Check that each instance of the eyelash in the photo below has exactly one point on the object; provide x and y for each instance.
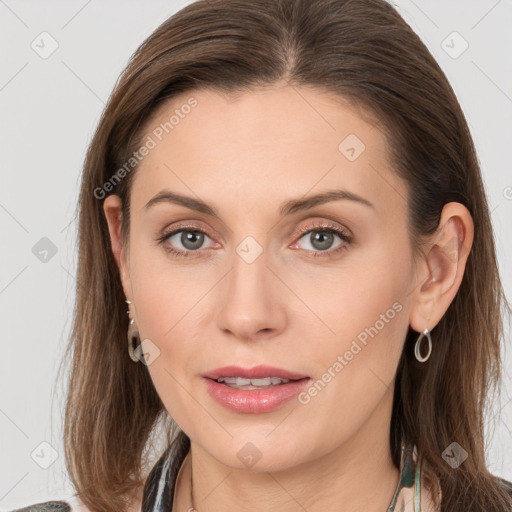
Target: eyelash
(324, 228)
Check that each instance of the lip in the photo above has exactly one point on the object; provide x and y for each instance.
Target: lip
(256, 372)
(254, 401)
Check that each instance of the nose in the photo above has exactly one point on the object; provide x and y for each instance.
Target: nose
(252, 301)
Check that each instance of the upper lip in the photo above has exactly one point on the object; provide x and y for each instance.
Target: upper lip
(256, 372)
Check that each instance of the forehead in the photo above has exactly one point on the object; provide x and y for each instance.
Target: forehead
(264, 146)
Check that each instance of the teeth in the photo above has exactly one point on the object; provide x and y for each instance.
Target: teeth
(240, 381)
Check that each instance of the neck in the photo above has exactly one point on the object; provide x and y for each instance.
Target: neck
(359, 474)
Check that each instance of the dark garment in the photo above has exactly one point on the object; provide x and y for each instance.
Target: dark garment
(48, 506)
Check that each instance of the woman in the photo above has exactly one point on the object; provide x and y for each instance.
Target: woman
(286, 196)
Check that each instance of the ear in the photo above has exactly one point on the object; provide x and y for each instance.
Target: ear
(441, 268)
(112, 208)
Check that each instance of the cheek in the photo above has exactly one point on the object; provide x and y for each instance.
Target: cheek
(364, 323)
(167, 292)
(365, 293)
(355, 368)
(170, 300)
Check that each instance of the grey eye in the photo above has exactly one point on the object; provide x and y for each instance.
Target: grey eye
(190, 240)
(320, 239)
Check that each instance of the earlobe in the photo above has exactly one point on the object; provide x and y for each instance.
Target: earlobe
(442, 269)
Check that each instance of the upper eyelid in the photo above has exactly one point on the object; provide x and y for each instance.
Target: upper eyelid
(317, 225)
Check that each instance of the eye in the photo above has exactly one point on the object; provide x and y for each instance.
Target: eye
(321, 237)
(190, 239)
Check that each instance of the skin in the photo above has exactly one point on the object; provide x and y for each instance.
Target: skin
(245, 155)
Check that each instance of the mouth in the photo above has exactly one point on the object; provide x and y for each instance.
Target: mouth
(254, 390)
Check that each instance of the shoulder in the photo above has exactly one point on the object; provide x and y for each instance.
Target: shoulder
(71, 505)
(47, 506)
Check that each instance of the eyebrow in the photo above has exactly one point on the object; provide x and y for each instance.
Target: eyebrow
(289, 207)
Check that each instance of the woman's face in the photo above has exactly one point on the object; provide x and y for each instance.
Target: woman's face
(270, 283)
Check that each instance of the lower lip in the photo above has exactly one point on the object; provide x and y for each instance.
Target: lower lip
(254, 400)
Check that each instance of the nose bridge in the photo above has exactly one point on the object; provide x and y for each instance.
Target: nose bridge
(250, 263)
(250, 302)
(249, 275)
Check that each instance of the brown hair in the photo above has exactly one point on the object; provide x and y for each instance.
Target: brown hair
(360, 50)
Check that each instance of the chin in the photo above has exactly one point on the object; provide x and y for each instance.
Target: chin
(258, 453)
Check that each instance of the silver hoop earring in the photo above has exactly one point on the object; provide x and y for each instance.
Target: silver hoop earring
(133, 336)
(417, 346)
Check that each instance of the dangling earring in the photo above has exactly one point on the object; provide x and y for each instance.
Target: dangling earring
(133, 336)
(417, 346)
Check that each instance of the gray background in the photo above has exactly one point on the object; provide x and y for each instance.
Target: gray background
(49, 109)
